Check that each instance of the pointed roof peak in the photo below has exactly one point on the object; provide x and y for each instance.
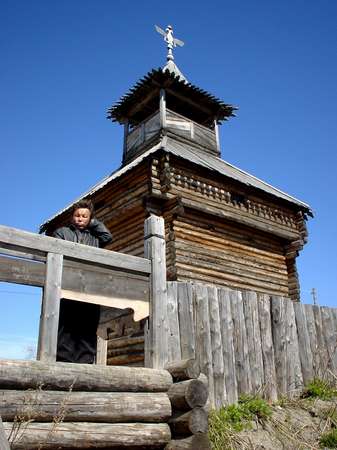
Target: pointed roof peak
(171, 67)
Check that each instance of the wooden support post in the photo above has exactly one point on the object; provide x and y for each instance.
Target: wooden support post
(216, 129)
(102, 351)
(162, 108)
(4, 445)
(125, 143)
(50, 308)
(156, 349)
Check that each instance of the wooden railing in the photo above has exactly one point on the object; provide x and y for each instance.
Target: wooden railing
(79, 272)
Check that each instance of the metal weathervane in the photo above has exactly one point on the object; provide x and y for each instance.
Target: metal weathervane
(170, 40)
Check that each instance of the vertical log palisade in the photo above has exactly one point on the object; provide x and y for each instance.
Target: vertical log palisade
(223, 226)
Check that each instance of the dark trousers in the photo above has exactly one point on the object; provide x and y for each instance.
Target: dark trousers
(77, 339)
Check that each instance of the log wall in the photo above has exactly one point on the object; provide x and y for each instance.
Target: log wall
(206, 250)
(70, 406)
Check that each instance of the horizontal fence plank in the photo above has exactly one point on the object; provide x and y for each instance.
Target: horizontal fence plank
(20, 271)
(24, 240)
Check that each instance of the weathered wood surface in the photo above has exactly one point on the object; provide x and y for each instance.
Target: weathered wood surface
(186, 319)
(4, 445)
(155, 250)
(174, 349)
(198, 441)
(183, 370)
(217, 355)
(109, 407)
(227, 335)
(26, 240)
(270, 382)
(306, 357)
(88, 435)
(125, 342)
(191, 422)
(262, 341)
(15, 270)
(203, 338)
(126, 358)
(279, 319)
(105, 283)
(47, 345)
(295, 378)
(251, 312)
(330, 336)
(243, 371)
(187, 394)
(15, 374)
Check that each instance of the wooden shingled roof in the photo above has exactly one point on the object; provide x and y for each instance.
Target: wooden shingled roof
(181, 96)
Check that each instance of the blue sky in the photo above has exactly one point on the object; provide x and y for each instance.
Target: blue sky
(63, 63)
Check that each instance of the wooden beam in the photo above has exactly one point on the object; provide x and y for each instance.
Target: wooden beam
(85, 435)
(191, 102)
(44, 406)
(155, 249)
(162, 108)
(15, 270)
(16, 374)
(24, 240)
(50, 309)
(4, 445)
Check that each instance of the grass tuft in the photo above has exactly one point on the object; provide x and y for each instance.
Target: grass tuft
(319, 388)
(228, 420)
(329, 440)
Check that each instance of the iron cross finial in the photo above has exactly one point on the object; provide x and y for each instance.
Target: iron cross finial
(170, 40)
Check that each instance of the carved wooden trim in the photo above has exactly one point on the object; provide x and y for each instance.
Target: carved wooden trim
(239, 202)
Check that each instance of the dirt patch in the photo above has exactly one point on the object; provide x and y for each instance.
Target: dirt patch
(295, 425)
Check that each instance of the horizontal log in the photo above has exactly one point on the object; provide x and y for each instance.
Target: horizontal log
(125, 342)
(235, 232)
(243, 217)
(188, 394)
(219, 238)
(193, 259)
(191, 422)
(109, 407)
(188, 275)
(231, 256)
(131, 350)
(196, 442)
(124, 359)
(183, 370)
(83, 435)
(25, 240)
(245, 282)
(16, 374)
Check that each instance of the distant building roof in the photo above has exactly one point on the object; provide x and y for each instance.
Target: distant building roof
(193, 155)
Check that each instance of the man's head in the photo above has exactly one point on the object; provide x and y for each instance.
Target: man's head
(82, 213)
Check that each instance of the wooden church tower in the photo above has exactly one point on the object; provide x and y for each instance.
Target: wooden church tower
(223, 226)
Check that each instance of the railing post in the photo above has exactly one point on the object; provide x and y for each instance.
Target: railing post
(50, 308)
(156, 348)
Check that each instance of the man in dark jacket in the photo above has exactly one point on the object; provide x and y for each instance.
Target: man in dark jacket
(77, 340)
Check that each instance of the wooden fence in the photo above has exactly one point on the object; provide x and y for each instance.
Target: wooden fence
(247, 342)
(79, 272)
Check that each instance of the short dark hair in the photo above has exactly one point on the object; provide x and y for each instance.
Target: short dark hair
(86, 203)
